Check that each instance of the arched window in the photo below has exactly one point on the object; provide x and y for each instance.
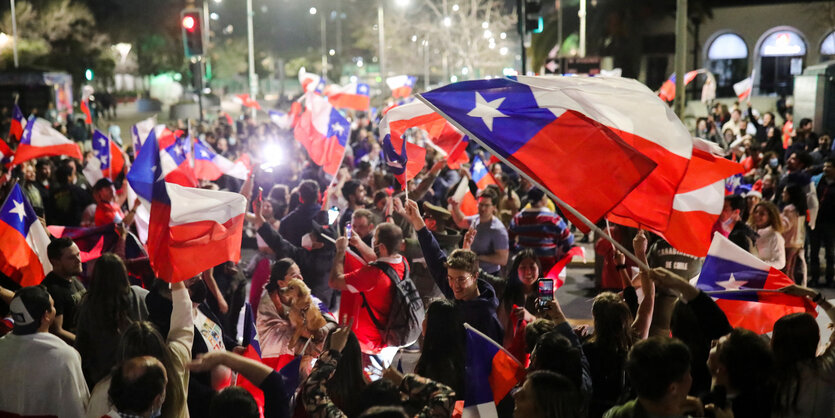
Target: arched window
(727, 59)
(781, 55)
(828, 47)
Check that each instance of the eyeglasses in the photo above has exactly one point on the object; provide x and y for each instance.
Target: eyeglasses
(460, 279)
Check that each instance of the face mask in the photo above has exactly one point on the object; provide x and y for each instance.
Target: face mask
(773, 162)
(307, 242)
(198, 291)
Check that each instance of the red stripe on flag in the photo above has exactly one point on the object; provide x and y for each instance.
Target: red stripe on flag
(29, 152)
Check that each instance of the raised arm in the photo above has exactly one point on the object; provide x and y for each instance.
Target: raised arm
(337, 277)
(433, 255)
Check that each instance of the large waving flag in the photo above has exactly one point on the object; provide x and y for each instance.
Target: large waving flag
(491, 373)
(107, 162)
(323, 132)
(668, 89)
(400, 85)
(209, 165)
(441, 134)
(41, 140)
(745, 286)
(18, 123)
(190, 229)
(23, 241)
(539, 124)
(698, 201)
(352, 96)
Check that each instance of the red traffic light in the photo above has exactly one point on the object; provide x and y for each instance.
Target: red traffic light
(189, 22)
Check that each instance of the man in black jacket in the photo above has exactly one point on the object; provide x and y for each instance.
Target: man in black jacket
(458, 277)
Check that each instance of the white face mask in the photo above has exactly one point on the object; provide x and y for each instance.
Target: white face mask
(307, 242)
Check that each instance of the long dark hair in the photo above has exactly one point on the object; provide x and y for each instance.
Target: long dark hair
(612, 323)
(108, 296)
(442, 354)
(142, 339)
(556, 396)
(348, 378)
(797, 197)
(514, 292)
(794, 341)
(277, 272)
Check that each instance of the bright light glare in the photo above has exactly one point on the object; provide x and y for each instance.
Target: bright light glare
(453, 79)
(503, 35)
(402, 3)
(465, 71)
(455, 7)
(414, 38)
(313, 10)
(331, 52)
(214, 16)
(189, 22)
(447, 21)
(272, 156)
(503, 50)
(485, 25)
(487, 34)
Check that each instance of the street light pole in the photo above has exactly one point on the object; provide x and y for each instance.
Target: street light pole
(382, 40)
(582, 15)
(324, 35)
(681, 57)
(14, 33)
(253, 80)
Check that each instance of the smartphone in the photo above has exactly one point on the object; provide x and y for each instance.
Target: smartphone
(333, 214)
(258, 201)
(545, 292)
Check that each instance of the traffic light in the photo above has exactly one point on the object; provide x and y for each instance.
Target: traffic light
(533, 21)
(88, 74)
(191, 22)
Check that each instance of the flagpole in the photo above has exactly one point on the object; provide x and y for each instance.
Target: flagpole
(642, 265)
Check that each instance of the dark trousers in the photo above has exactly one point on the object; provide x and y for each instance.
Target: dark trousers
(822, 235)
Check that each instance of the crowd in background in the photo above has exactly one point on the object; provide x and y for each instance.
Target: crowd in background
(108, 338)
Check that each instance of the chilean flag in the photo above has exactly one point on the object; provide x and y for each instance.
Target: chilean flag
(668, 89)
(18, 123)
(491, 372)
(743, 88)
(400, 85)
(140, 131)
(412, 157)
(24, 240)
(107, 161)
(41, 140)
(557, 272)
(247, 101)
(353, 96)
(91, 242)
(283, 120)
(745, 286)
(161, 134)
(178, 164)
(210, 166)
(311, 83)
(85, 108)
(323, 132)
(6, 153)
(698, 201)
(191, 230)
(441, 134)
(481, 176)
(541, 124)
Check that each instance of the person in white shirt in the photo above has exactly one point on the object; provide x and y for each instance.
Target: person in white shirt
(41, 373)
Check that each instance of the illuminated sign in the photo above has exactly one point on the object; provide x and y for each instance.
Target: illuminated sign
(783, 43)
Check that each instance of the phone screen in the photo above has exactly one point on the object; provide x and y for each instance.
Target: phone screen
(333, 214)
(546, 289)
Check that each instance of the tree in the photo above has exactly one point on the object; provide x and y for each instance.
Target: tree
(61, 35)
(467, 37)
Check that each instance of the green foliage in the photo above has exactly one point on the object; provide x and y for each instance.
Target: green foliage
(229, 58)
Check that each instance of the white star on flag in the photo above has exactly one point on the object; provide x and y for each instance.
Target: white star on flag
(732, 283)
(19, 209)
(103, 159)
(337, 128)
(102, 142)
(204, 154)
(487, 110)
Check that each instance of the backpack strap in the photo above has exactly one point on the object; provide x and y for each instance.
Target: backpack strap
(395, 279)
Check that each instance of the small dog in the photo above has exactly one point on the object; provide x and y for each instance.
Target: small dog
(303, 313)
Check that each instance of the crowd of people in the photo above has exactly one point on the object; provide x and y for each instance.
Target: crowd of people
(368, 286)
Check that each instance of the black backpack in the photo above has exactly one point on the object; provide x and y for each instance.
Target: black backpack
(405, 319)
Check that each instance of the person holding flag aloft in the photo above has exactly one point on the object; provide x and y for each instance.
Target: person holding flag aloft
(491, 242)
